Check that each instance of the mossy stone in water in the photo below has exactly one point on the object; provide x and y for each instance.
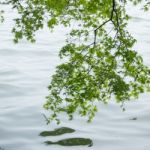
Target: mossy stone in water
(72, 142)
(135, 118)
(58, 131)
(1, 148)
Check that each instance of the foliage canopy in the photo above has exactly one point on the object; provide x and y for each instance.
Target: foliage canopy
(101, 62)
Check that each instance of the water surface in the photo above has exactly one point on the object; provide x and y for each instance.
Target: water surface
(25, 71)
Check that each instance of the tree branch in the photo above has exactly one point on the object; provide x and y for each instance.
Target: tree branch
(110, 19)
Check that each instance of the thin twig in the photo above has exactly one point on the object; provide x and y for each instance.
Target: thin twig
(110, 19)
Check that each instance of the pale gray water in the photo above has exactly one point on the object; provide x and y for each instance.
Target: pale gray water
(25, 71)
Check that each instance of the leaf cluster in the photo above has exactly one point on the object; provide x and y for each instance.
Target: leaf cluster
(101, 62)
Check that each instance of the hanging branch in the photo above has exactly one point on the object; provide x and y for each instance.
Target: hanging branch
(110, 19)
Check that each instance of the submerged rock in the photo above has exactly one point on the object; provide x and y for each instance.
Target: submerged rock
(135, 118)
(58, 131)
(1, 148)
(72, 142)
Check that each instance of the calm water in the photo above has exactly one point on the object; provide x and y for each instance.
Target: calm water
(25, 71)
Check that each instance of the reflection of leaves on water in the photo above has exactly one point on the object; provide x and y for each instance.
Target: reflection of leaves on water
(58, 131)
(72, 142)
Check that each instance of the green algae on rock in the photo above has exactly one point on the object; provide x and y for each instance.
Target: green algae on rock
(72, 142)
(57, 131)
